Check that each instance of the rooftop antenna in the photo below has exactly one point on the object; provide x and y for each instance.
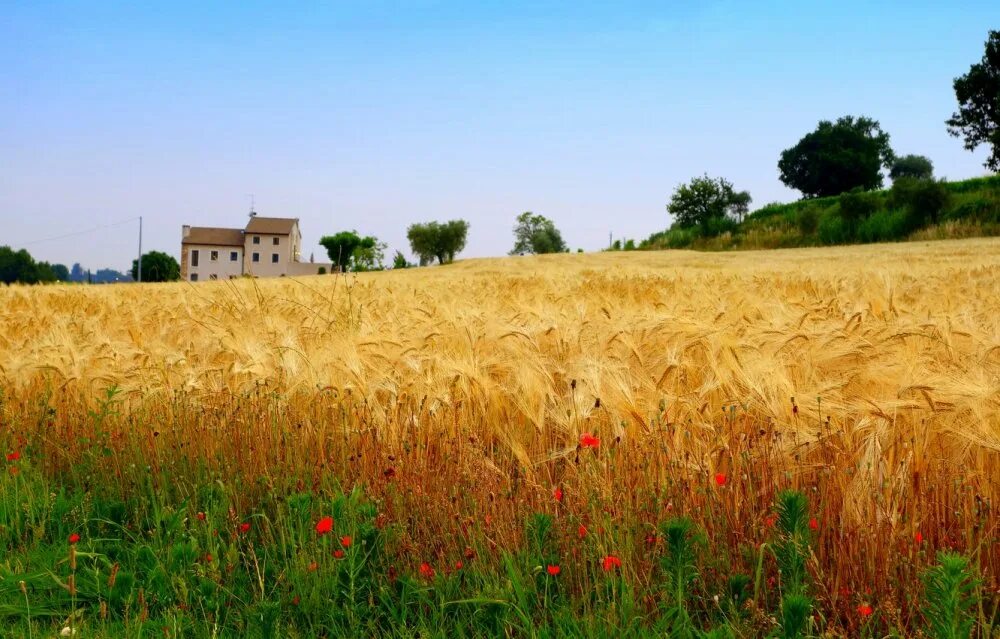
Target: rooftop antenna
(252, 212)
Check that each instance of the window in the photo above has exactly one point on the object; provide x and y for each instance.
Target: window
(256, 257)
(256, 239)
(274, 258)
(213, 276)
(233, 256)
(194, 276)
(194, 257)
(275, 242)
(214, 256)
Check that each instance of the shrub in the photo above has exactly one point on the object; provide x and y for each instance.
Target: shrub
(321, 270)
(807, 220)
(885, 226)
(833, 230)
(924, 200)
(857, 205)
(912, 166)
(951, 595)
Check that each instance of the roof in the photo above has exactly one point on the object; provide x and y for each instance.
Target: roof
(214, 236)
(271, 225)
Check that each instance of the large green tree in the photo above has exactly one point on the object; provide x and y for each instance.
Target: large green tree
(978, 94)
(912, 166)
(704, 202)
(436, 240)
(837, 157)
(157, 267)
(19, 266)
(536, 234)
(353, 252)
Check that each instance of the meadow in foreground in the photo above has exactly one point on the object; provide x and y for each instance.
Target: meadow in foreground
(794, 443)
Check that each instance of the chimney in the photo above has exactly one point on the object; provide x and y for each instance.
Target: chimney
(185, 231)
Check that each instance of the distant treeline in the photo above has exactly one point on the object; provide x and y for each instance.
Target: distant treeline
(21, 267)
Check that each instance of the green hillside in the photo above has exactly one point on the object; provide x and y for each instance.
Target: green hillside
(910, 210)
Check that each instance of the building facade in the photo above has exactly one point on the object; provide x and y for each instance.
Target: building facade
(267, 247)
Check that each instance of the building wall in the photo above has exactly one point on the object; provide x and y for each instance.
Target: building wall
(308, 268)
(266, 249)
(222, 268)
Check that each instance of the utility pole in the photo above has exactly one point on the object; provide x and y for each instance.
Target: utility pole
(138, 270)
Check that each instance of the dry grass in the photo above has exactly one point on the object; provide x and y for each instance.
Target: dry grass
(473, 382)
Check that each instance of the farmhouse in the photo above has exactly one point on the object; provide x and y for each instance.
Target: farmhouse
(267, 247)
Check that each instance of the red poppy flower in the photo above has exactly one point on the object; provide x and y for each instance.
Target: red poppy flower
(865, 610)
(338, 553)
(200, 516)
(345, 541)
(581, 531)
(389, 472)
(296, 600)
(208, 558)
(770, 519)
(720, 479)
(313, 566)
(610, 563)
(324, 525)
(74, 538)
(245, 527)
(588, 440)
(813, 524)
(553, 569)
(13, 456)
(426, 571)
(919, 537)
(458, 565)
(558, 494)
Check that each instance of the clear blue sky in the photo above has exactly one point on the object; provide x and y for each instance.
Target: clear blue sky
(374, 115)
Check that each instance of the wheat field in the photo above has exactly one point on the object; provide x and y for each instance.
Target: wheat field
(867, 377)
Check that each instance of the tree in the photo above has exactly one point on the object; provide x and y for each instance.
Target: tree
(837, 157)
(434, 240)
(923, 200)
(705, 202)
(157, 267)
(340, 247)
(978, 94)
(536, 234)
(399, 261)
(912, 166)
(857, 205)
(19, 266)
(368, 255)
(61, 272)
(739, 205)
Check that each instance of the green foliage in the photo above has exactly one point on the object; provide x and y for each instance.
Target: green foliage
(19, 266)
(884, 226)
(157, 267)
(923, 200)
(321, 270)
(978, 93)
(435, 240)
(807, 220)
(399, 260)
(912, 166)
(837, 157)
(705, 203)
(536, 234)
(792, 545)
(856, 205)
(350, 251)
(795, 615)
(951, 595)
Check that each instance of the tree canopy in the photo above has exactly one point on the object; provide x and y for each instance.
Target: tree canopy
(704, 202)
(353, 252)
(157, 267)
(536, 234)
(19, 266)
(837, 157)
(435, 240)
(912, 166)
(978, 94)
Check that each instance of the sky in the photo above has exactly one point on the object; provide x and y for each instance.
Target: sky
(375, 115)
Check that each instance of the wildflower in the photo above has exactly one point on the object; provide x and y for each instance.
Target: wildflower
(919, 537)
(313, 566)
(720, 479)
(553, 569)
(813, 524)
(558, 494)
(74, 538)
(338, 553)
(324, 525)
(296, 600)
(865, 610)
(610, 563)
(581, 531)
(389, 472)
(200, 516)
(588, 440)
(12, 457)
(458, 565)
(208, 558)
(770, 519)
(426, 571)
(345, 541)
(245, 527)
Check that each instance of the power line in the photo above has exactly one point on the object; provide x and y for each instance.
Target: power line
(67, 235)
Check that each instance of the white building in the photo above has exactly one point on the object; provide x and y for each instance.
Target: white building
(267, 247)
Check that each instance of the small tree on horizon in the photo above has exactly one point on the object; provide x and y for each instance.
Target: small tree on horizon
(157, 267)
(912, 166)
(536, 234)
(706, 202)
(434, 240)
